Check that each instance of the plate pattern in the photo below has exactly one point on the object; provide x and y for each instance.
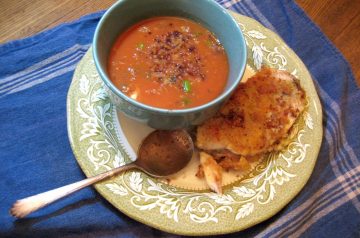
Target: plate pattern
(98, 147)
(146, 193)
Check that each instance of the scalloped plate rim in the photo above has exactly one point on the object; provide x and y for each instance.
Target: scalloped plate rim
(174, 230)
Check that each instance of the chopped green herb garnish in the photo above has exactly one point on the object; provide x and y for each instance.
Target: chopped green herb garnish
(186, 86)
(186, 101)
(140, 46)
(209, 43)
(197, 34)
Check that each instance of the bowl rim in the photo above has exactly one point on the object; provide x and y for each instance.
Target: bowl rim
(146, 107)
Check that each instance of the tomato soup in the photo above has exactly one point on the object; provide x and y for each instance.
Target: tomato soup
(169, 62)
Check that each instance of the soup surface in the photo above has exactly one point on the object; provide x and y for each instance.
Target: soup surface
(169, 62)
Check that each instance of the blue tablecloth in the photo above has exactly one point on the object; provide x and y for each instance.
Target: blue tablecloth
(35, 74)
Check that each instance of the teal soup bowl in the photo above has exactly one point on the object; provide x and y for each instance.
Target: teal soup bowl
(125, 13)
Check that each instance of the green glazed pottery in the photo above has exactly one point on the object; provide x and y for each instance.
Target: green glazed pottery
(102, 140)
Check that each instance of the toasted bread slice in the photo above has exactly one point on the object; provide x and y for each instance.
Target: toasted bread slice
(257, 117)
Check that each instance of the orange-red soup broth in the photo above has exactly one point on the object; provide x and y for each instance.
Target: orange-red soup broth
(169, 62)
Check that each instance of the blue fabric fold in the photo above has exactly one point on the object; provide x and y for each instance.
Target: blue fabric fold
(35, 75)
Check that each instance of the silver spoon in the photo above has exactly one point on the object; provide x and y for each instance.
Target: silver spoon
(161, 153)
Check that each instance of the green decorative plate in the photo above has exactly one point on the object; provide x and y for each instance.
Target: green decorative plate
(102, 139)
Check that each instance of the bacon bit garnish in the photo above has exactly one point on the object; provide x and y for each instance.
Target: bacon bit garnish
(175, 56)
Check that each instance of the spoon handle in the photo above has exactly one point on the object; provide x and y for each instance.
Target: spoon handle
(25, 206)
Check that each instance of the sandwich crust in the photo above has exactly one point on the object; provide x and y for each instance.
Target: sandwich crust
(257, 117)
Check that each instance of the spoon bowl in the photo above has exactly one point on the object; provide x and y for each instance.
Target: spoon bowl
(161, 153)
